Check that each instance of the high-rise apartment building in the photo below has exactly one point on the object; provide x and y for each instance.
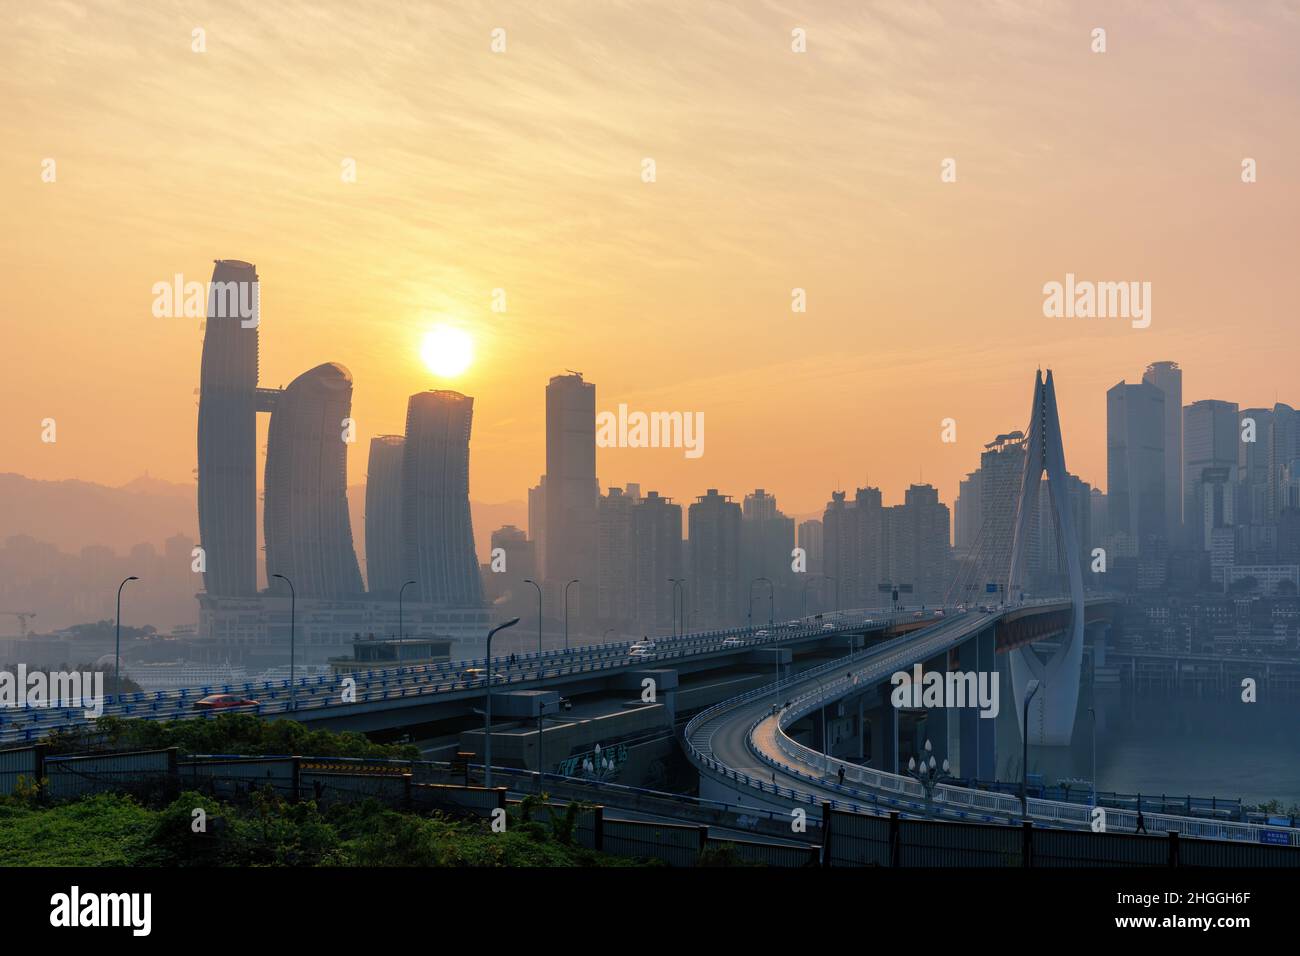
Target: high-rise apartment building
(438, 535)
(1135, 467)
(1168, 377)
(227, 433)
(306, 525)
(572, 491)
(384, 516)
(718, 596)
(1210, 444)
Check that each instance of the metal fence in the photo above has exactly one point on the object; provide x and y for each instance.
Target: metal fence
(457, 800)
(24, 763)
(233, 777)
(69, 778)
(856, 840)
(672, 843)
(328, 787)
(749, 853)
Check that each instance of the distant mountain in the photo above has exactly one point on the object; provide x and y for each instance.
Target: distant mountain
(72, 514)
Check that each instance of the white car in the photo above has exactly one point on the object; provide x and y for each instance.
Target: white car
(642, 649)
(828, 627)
(762, 633)
(732, 641)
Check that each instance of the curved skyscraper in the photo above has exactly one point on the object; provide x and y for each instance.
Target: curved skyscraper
(308, 534)
(384, 516)
(228, 442)
(439, 537)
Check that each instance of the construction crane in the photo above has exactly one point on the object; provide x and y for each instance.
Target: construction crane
(23, 617)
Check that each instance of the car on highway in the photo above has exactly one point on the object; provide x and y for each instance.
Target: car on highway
(478, 673)
(762, 633)
(732, 641)
(224, 701)
(938, 612)
(642, 649)
(828, 627)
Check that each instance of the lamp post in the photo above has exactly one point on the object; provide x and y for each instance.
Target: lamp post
(539, 613)
(566, 613)
(117, 641)
(487, 707)
(1092, 711)
(293, 601)
(811, 581)
(1024, 755)
(770, 606)
(399, 608)
(675, 582)
(928, 775)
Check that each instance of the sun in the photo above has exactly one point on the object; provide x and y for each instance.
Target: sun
(447, 351)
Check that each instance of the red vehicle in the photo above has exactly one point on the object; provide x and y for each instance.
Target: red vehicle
(223, 701)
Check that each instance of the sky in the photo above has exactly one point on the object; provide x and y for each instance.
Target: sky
(523, 170)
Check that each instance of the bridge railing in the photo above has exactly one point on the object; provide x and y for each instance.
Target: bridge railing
(316, 693)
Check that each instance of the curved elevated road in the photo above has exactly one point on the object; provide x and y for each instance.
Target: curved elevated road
(742, 744)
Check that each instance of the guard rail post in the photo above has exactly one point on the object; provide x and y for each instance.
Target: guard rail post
(826, 833)
(1173, 848)
(38, 769)
(1027, 843)
(895, 851)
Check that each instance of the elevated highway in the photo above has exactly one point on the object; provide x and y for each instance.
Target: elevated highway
(747, 756)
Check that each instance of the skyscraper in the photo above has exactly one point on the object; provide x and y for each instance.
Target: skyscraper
(1253, 468)
(918, 534)
(657, 536)
(811, 540)
(616, 560)
(1210, 438)
(308, 534)
(719, 595)
(571, 488)
(1283, 459)
(227, 433)
(766, 540)
(1168, 377)
(384, 516)
(438, 533)
(1135, 465)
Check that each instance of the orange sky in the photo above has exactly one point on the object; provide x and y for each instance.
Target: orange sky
(522, 170)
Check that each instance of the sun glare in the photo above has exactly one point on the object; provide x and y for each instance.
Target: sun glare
(447, 351)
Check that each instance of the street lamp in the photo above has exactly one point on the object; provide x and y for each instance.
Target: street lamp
(1024, 756)
(771, 602)
(293, 600)
(487, 708)
(566, 613)
(1092, 711)
(928, 775)
(539, 613)
(675, 582)
(399, 608)
(117, 640)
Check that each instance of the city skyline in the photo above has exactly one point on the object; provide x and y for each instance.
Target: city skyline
(650, 288)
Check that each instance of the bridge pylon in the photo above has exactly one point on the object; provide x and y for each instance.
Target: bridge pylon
(1052, 710)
